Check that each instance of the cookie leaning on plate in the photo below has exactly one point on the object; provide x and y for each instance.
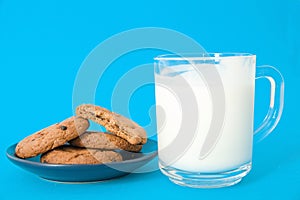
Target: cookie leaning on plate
(75, 155)
(114, 123)
(51, 137)
(100, 140)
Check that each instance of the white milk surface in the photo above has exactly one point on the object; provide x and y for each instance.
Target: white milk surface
(234, 146)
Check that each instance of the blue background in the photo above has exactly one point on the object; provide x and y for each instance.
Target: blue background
(43, 43)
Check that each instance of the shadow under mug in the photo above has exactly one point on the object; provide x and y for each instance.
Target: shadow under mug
(204, 110)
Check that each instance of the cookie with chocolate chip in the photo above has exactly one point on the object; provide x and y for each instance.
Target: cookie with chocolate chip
(51, 137)
(114, 123)
(75, 155)
(101, 140)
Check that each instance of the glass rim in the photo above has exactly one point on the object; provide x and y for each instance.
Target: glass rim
(202, 56)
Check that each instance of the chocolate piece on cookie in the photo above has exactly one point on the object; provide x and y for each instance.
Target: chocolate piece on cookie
(51, 137)
(114, 123)
(75, 155)
(100, 140)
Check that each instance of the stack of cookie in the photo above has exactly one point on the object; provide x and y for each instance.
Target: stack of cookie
(69, 142)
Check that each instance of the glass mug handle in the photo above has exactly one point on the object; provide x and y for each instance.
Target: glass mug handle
(276, 101)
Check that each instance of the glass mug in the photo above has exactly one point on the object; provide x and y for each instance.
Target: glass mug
(204, 111)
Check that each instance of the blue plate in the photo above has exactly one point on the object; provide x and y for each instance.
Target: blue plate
(86, 173)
